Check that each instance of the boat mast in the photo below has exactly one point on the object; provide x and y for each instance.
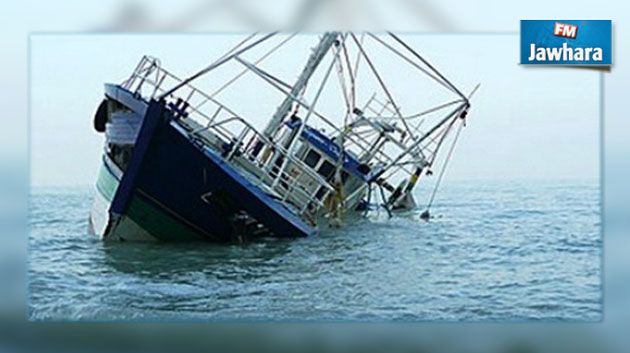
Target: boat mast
(314, 60)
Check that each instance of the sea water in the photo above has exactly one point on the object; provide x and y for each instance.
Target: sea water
(493, 251)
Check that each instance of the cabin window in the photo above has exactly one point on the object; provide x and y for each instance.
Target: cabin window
(326, 170)
(320, 192)
(312, 158)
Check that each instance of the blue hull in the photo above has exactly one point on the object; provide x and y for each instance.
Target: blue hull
(192, 184)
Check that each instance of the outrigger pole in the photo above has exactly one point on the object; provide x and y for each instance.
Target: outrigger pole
(314, 60)
(295, 92)
(461, 109)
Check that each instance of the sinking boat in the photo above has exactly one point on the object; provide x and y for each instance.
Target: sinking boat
(179, 164)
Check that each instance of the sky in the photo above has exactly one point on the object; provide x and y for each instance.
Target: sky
(525, 123)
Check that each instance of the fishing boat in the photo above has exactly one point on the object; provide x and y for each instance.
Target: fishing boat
(180, 164)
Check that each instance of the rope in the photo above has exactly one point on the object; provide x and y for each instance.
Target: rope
(338, 182)
(448, 158)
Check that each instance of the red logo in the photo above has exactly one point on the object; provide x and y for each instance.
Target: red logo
(565, 30)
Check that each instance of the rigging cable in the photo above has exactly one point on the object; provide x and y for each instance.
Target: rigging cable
(447, 85)
(427, 64)
(258, 61)
(222, 60)
(426, 215)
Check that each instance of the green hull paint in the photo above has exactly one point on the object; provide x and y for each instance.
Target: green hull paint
(153, 220)
(106, 184)
(158, 222)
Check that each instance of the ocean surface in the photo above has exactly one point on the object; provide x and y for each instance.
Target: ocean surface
(494, 251)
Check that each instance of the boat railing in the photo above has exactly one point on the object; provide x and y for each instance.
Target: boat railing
(298, 185)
